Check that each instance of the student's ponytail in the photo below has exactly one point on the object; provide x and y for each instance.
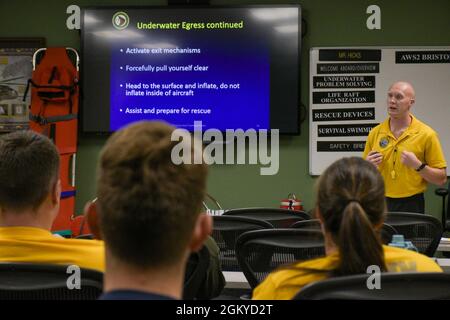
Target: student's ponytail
(359, 244)
(351, 204)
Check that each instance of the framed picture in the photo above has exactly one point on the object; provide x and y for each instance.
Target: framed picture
(16, 66)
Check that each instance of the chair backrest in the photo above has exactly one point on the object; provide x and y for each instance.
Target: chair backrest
(195, 274)
(446, 210)
(387, 231)
(27, 281)
(226, 230)
(445, 217)
(260, 252)
(393, 286)
(424, 231)
(279, 218)
(312, 224)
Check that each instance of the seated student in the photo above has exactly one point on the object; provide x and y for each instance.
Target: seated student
(351, 208)
(148, 212)
(213, 281)
(29, 202)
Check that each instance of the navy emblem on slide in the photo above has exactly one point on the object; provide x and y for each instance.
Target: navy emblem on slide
(384, 142)
(120, 20)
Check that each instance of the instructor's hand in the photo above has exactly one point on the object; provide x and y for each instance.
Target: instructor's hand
(409, 159)
(375, 158)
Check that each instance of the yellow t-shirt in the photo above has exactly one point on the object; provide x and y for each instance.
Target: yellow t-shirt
(35, 245)
(284, 284)
(401, 181)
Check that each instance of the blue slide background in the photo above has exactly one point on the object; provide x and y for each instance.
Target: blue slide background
(232, 59)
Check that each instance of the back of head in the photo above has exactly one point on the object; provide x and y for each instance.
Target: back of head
(351, 201)
(29, 168)
(147, 205)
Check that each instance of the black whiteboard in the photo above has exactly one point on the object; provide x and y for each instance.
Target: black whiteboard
(348, 88)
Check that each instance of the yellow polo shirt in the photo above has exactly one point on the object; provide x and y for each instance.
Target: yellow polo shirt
(401, 181)
(285, 283)
(35, 245)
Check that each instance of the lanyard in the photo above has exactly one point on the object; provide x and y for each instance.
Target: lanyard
(393, 173)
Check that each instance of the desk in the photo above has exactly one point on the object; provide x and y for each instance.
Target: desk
(444, 263)
(444, 245)
(235, 280)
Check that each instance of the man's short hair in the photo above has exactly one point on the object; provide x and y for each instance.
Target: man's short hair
(147, 205)
(29, 169)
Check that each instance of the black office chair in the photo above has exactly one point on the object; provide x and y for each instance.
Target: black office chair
(260, 252)
(279, 218)
(393, 286)
(445, 218)
(226, 230)
(424, 231)
(387, 231)
(313, 224)
(195, 274)
(27, 281)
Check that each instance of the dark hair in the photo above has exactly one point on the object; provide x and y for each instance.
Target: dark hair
(29, 169)
(147, 204)
(351, 201)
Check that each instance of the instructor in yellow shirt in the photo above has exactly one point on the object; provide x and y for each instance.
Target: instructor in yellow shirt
(406, 151)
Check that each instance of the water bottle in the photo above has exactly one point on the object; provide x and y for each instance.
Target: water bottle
(398, 241)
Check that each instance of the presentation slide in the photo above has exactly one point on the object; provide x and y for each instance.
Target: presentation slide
(202, 81)
(221, 66)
